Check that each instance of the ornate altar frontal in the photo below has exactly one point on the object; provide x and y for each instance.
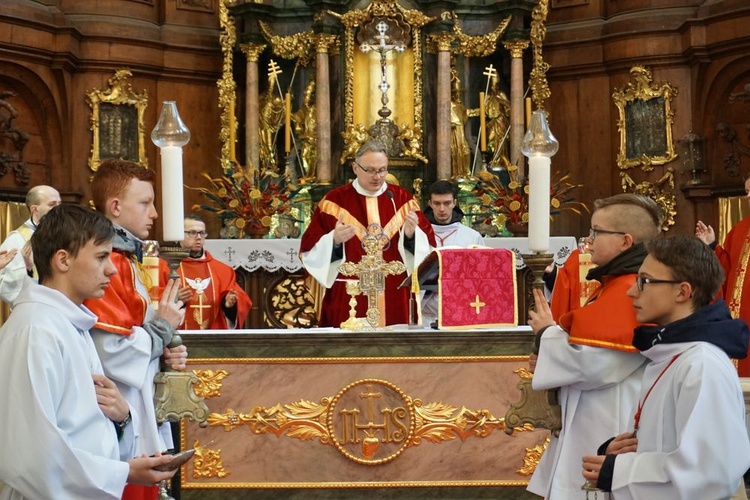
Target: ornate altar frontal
(367, 415)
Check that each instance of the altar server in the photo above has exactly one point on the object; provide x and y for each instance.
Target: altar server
(686, 436)
(209, 288)
(344, 217)
(589, 355)
(130, 336)
(60, 415)
(445, 216)
(39, 200)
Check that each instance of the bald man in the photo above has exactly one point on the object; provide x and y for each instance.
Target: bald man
(39, 200)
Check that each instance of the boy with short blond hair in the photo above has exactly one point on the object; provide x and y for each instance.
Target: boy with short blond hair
(588, 357)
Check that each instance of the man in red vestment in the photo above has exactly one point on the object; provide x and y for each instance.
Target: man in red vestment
(214, 299)
(344, 217)
(130, 337)
(734, 256)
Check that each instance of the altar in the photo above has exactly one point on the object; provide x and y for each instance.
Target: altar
(268, 267)
(321, 413)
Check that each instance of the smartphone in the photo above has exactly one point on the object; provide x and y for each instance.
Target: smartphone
(177, 460)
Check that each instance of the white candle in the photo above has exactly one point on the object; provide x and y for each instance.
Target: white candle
(539, 185)
(172, 203)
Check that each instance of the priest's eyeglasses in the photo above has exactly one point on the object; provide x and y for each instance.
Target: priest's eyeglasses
(642, 280)
(593, 233)
(369, 171)
(195, 234)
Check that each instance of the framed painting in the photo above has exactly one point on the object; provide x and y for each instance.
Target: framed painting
(645, 122)
(117, 122)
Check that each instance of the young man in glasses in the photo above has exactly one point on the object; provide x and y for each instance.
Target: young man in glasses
(209, 287)
(686, 435)
(589, 356)
(341, 221)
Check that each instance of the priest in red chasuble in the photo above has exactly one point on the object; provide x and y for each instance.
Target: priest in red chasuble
(344, 217)
(734, 255)
(212, 296)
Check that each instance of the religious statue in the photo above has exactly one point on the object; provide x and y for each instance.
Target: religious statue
(410, 136)
(460, 153)
(497, 108)
(305, 128)
(271, 113)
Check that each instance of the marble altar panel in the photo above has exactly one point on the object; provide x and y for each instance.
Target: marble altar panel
(278, 379)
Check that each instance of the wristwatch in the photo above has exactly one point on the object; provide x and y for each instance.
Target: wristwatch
(120, 426)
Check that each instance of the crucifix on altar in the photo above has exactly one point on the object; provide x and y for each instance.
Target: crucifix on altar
(371, 271)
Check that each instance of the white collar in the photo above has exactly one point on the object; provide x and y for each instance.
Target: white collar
(365, 192)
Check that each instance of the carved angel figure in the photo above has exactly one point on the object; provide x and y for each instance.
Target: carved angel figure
(353, 139)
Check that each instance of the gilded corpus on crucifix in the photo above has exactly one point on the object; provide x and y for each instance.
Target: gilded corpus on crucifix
(372, 270)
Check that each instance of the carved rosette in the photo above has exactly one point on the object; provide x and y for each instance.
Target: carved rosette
(370, 421)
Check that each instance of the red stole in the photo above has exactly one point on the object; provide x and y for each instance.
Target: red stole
(608, 318)
(361, 211)
(122, 307)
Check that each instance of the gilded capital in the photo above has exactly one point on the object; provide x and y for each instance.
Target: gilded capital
(440, 42)
(516, 47)
(325, 43)
(252, 50)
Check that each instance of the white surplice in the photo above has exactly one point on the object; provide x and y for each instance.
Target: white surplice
(598, 387)
(55, 442)
(12, 276)
(692, 439)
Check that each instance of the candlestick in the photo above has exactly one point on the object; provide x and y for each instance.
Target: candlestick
(527, 110)
(482, 124)
(287, 122)
(539, 145)
(170, 134)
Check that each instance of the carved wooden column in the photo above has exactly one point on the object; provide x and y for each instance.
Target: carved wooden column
(516, 48)
(252, 104)
(443, 42)
(323, 107)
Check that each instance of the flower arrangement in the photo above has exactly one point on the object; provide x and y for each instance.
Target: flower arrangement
(248, 200)
(498, 199)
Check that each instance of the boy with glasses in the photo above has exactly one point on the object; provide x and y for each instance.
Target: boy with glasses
(588, 356)
(686, 436)
(209, 287)
(341, 221)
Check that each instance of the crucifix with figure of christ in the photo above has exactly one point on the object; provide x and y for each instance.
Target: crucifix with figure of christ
(372, 270)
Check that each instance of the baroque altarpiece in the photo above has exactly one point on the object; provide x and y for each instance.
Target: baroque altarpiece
(406, 73)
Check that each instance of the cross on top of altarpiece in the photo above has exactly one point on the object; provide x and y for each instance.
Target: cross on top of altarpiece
(372, 270)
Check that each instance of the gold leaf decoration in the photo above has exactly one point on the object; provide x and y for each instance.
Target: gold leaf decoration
(207, 463)
(209, 383)
(532, 457)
